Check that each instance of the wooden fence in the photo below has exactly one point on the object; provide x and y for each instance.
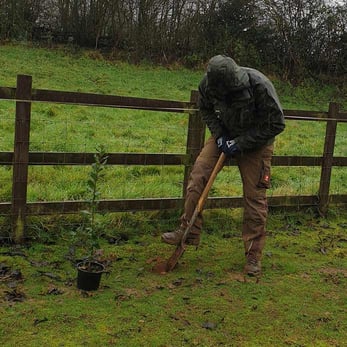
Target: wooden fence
(21, 158)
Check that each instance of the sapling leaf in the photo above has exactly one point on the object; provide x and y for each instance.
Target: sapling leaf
(90, 228)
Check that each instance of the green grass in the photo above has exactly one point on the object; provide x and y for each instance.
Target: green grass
(299, 301)
(65, 128)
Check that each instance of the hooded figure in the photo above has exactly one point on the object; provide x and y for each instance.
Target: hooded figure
(223, 74)
(241, 103)
(243, 113)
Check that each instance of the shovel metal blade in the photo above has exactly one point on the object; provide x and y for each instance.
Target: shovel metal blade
(176, 255)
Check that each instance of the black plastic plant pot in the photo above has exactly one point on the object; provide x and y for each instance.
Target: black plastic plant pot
(89, 275)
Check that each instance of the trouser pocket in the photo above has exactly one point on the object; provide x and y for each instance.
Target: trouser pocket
(265, 176)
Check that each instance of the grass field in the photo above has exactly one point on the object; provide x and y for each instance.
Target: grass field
(78, 129)
(299, 301)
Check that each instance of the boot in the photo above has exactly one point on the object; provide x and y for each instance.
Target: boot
(175, 237)
(253, 252)
(252, 267)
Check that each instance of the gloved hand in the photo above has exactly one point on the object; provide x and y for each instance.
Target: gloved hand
(229, 147)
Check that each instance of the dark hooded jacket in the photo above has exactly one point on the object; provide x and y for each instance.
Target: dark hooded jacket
(240, 103)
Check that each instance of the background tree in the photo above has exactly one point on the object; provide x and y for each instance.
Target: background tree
(295, 38)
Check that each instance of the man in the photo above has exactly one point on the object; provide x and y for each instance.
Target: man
(243, 113)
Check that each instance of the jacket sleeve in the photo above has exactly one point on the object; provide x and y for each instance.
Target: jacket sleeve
(208, 113)
(269, 119)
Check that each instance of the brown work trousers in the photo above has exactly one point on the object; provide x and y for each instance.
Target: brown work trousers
(254, 168)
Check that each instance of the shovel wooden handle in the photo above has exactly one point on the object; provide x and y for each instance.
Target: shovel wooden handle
(171, 263)
(204, 195)
(214, 173)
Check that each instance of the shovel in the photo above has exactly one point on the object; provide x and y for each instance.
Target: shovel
(170, 264)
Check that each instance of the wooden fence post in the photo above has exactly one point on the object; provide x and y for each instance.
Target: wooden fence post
(21, 157)
(195, 139)
(327, 161)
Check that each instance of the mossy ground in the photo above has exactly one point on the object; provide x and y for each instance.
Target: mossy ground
(206, 301)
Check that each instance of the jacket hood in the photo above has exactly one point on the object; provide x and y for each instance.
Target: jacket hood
(224, 74)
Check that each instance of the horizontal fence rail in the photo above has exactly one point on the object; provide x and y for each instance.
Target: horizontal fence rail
(156, 204)
(59, 158)
(90, 99)
(21, 158)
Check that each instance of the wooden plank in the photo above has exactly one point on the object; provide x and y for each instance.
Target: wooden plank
(313, 115)
(77, 158)
(91, 99)
(342, 115)
(56, 158)
(21, 157)
(6, 158)
(128, 205)
(122, 205)
(302, 113)
(339, 161)
(328, 156)
(338, 199)
(7, 93)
